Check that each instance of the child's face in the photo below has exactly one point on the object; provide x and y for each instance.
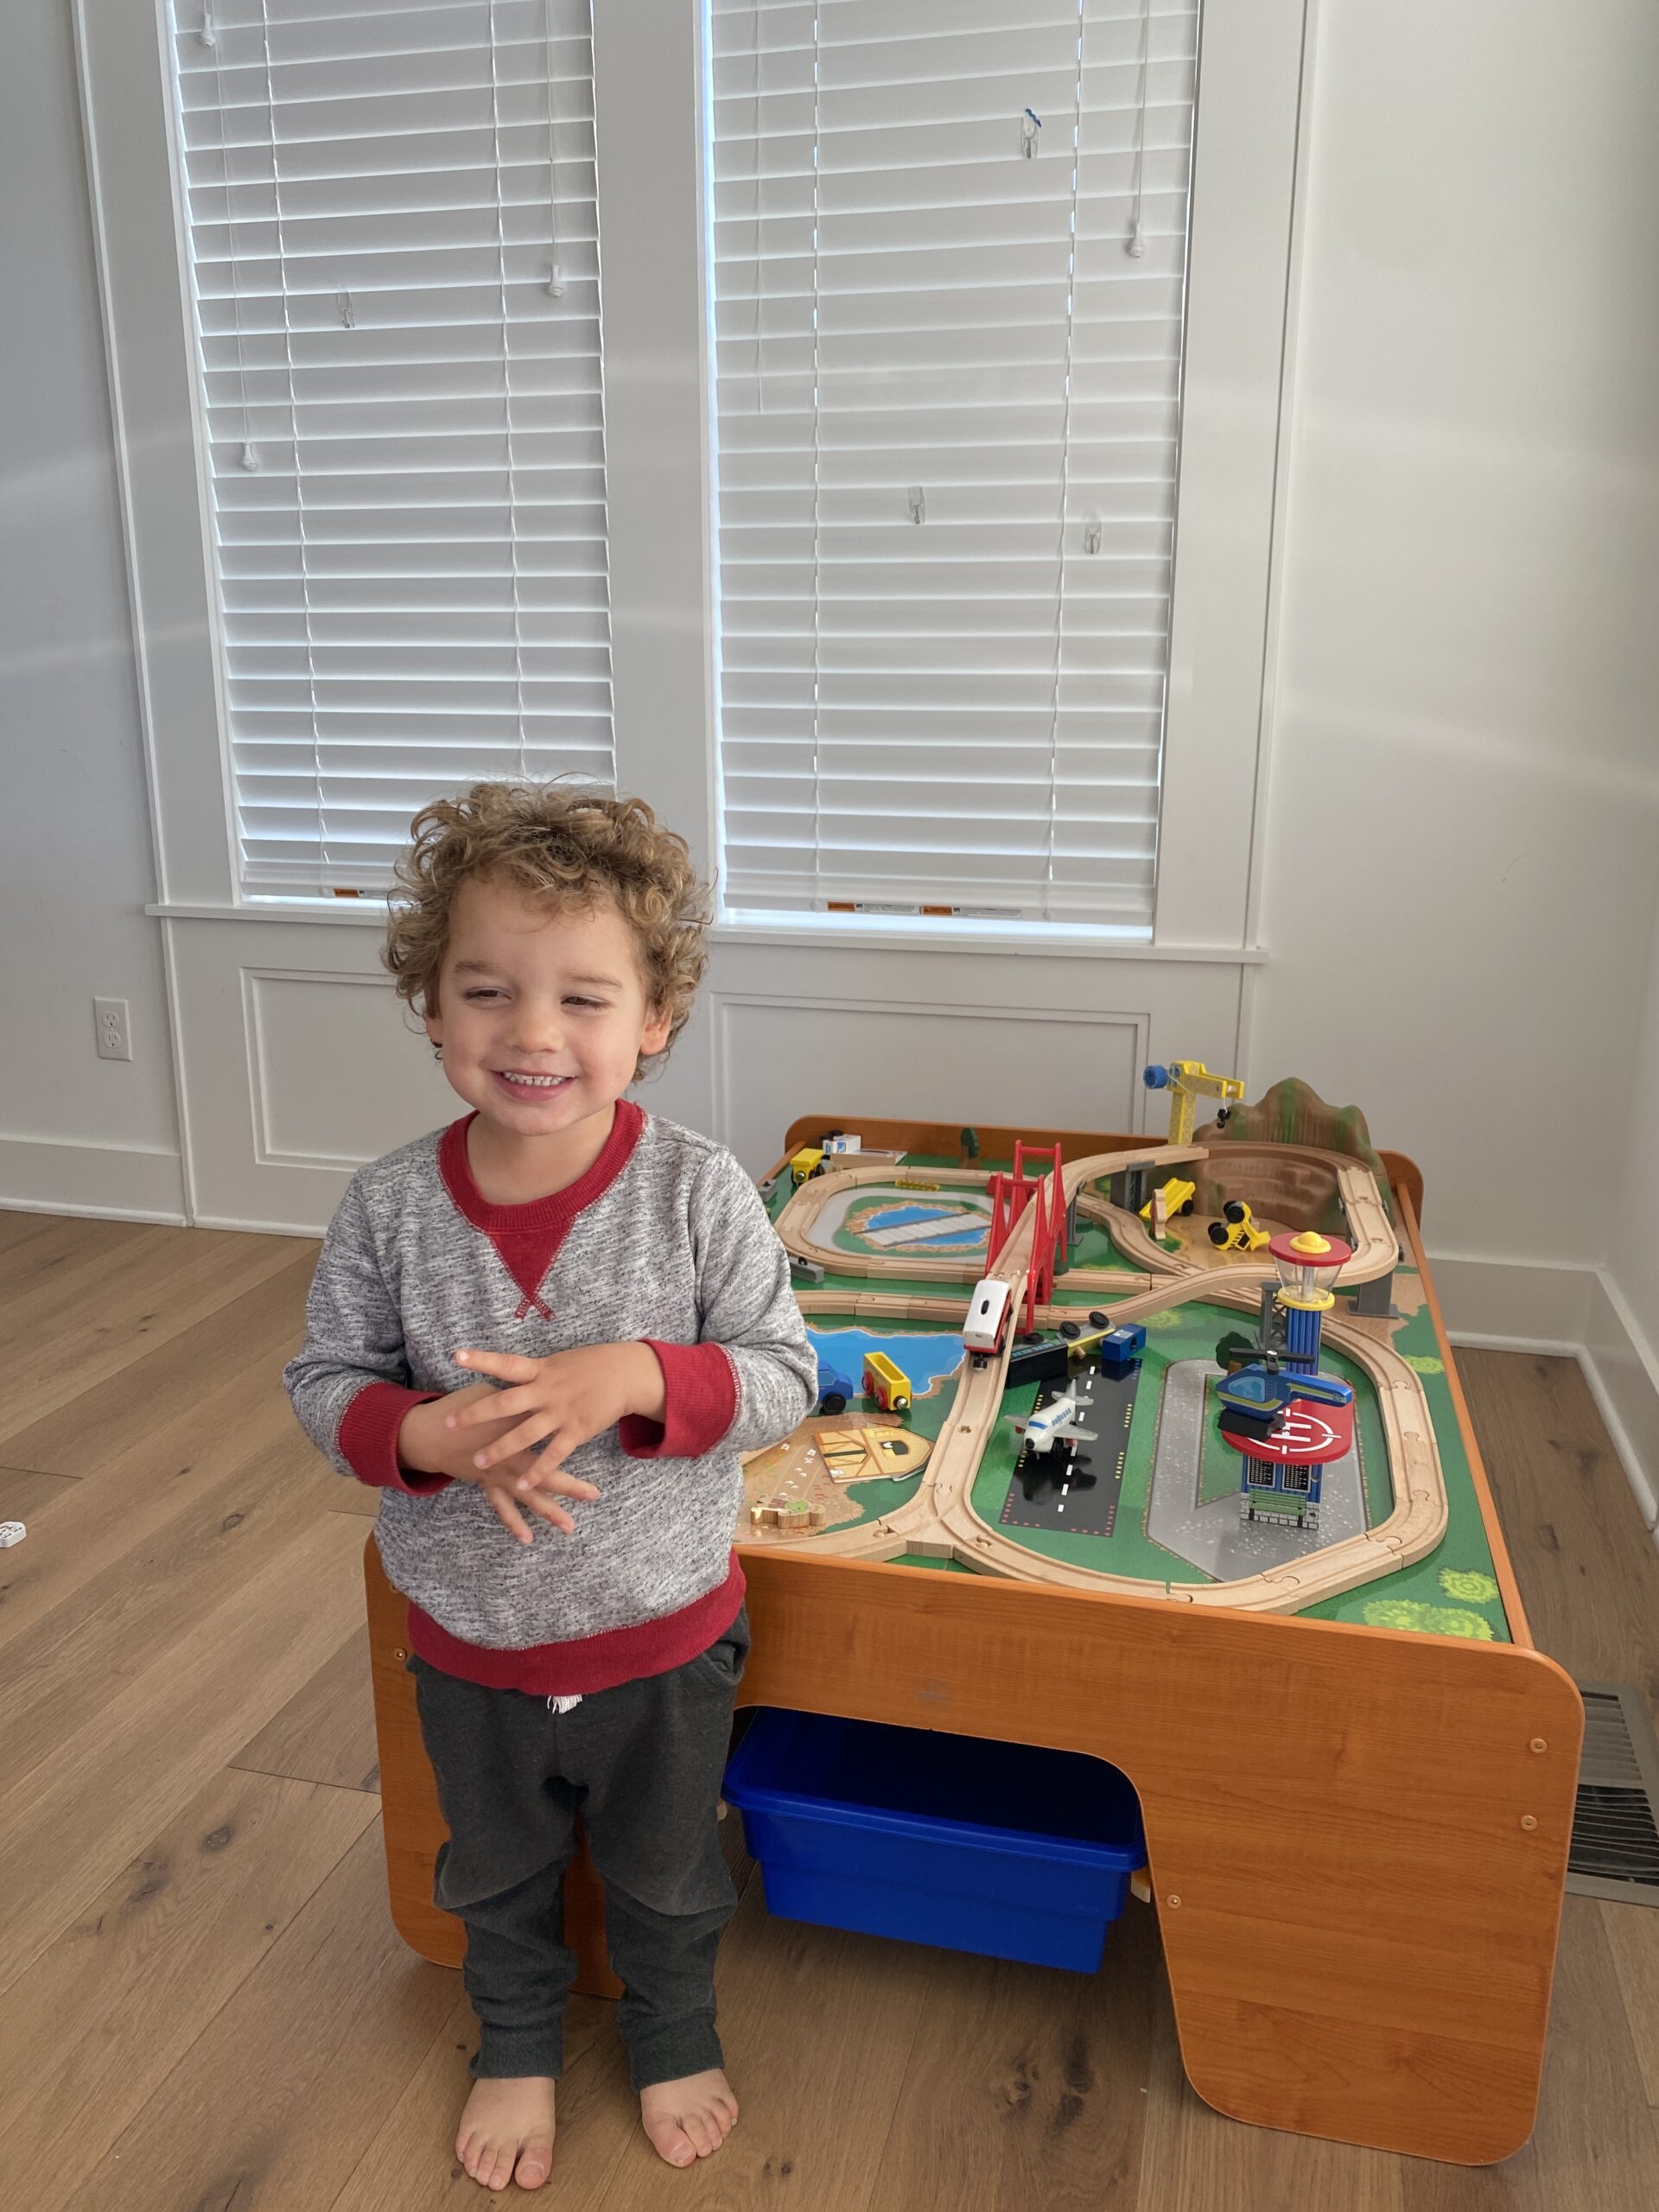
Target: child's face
(541, 1015)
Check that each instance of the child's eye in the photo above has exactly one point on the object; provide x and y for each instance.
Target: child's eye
(593, 1005)
(484, 991)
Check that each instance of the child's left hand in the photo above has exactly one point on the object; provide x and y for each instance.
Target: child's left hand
(564, 1400)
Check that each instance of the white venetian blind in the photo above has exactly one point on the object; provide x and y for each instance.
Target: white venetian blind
(949, 245)
(392, 247)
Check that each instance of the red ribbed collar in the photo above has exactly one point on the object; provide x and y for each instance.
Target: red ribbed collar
(559, 1209)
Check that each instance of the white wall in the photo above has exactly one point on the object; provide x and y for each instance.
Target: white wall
(1633, 1253)
(1461, 752)
(1461, 864)
(1622, 1330)
(74, 820)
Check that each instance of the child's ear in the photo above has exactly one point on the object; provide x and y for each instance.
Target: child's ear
(434, 1019)
(659, 1024)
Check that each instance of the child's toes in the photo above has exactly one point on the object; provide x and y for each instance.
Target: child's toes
(689, 2118)
(491, 2164)
(671, 2140)
(535, 2162)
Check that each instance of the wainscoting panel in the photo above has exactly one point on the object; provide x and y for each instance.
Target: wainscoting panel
(777, 1057)
(300, 1061)
(338, 1072)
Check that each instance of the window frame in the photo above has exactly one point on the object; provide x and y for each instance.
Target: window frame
(650, 134)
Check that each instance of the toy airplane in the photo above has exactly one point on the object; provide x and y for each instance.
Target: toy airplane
(1057, 1421)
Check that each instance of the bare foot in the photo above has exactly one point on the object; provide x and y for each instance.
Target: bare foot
(689, 2119)
(506, 2132)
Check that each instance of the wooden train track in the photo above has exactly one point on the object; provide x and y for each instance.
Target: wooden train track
(940, 1521)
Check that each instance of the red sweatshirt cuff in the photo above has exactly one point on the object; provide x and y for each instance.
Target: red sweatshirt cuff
(368, 1439)
(700, 1404)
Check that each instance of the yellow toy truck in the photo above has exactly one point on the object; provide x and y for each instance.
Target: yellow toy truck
(1178, 1198)
(1237, 1230)
(806, 1163)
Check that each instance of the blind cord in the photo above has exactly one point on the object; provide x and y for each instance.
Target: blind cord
(555, 274)
(1065, 473)
(326, 871)
(506, 394)
(249, 457)
(817, 574)
(1137, 243)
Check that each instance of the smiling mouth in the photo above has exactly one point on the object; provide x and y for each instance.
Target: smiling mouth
(541, 1083)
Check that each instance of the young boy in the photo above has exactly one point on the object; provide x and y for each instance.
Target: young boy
(562, 1529)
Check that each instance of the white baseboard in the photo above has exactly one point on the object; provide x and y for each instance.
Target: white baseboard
(261, 1228)
(1578, 1313)
(1513, 1304)
(1622, 1371)
(114, 1182)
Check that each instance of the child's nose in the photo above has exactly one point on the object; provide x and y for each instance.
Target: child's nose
(540, 1027)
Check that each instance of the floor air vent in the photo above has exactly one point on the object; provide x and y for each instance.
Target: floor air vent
(1616, 1820)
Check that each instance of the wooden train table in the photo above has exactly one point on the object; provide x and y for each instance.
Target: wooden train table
(1356, 1773)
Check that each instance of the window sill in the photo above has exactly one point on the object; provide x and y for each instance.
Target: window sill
(809, 934)
(812, 932)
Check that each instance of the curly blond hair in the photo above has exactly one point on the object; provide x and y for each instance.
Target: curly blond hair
(566, 843)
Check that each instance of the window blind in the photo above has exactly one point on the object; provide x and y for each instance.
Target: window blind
(390, 213)
(949, 258)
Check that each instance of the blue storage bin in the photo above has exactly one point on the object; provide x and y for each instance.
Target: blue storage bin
(1005, 1849)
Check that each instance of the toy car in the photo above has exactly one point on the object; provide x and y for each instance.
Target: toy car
(1237, 1230)
(806, 1163)
(834, 1391)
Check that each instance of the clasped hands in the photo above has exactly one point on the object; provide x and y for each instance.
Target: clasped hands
(486, 1435)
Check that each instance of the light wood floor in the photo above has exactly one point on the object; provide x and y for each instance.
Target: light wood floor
(203, 2005)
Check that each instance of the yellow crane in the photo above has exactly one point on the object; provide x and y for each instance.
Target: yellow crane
(1186, 1082)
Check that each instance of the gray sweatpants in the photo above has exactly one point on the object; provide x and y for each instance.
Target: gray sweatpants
(642, 1764)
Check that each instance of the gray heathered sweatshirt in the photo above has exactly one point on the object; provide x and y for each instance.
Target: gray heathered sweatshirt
(664, 1240)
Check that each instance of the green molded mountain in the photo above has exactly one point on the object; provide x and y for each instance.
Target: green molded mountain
(1293, 1112)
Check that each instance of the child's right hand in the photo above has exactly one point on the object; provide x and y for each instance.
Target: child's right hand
(428, 1445)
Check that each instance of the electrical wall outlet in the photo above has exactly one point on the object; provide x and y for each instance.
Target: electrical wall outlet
(114, 1036)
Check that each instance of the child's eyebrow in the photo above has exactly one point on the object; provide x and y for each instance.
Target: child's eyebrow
(483, 968)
